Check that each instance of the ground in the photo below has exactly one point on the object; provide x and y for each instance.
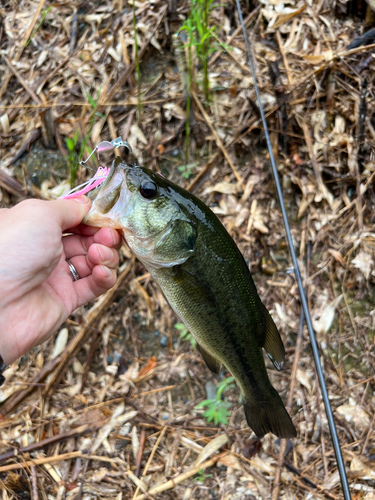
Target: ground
(107, 408)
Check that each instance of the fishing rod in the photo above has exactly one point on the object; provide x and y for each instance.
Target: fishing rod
(314, 345)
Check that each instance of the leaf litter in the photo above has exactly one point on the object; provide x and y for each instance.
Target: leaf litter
(106, 409)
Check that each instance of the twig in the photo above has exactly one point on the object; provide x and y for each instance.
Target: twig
(202, 173)
(217, 138)
(73, 36)
(34, 136)
(48, 442)
(324, 191)
(160, 437)
(140, 452)
(63, 361)
(11, 185)
(18, 396)
(24, 84)
(285, 59)
(90, 357)
(235, 33)
(34, 484)
(43, 460)
(182, 477)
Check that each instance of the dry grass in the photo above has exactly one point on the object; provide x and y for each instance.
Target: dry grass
(111, 413)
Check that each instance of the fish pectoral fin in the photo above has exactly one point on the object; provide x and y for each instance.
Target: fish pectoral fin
(273, 345)
(213, 364)
(177, 243)
(193, 288)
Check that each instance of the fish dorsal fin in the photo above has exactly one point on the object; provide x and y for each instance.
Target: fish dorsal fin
(273, 345)
(213, 364)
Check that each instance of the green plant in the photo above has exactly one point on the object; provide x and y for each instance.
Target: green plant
(201, 476)
(187, 170)
(185, 335)
(201, 35)
(217, 409)
(44, 15)
(71, 143)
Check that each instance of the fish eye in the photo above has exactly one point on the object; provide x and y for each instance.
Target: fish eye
(147, 189)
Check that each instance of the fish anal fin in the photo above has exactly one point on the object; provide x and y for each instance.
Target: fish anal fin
(273, 345)
(213, 364)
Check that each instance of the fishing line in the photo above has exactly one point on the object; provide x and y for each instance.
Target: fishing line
(314, 346)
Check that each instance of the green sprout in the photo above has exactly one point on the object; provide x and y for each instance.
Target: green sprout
(197, 33)
(71, 142)
(201, 476)
(187, 170)
(185, 335)
(44, 15)
(201, 35)
(217, 409)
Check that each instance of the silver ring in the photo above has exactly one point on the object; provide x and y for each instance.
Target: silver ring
(73, 271)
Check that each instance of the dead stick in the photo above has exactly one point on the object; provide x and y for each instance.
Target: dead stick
(47, 442)
(11, 185)
(285, 59)
(17, 397)
(202, 173)
(73, 36)
(217, 138)
(34, 483)
(43, 460)
(34, 136)
(90, 357)
(140, 453)
(160, 437)
(235, 33)
(23, 82)
(359, 204)
(182, 477)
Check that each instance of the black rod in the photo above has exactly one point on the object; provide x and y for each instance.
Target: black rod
(314, 346)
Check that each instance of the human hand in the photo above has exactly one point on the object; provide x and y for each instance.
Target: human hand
(37, 292)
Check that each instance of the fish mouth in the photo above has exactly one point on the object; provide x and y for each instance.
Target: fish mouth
(110, 199)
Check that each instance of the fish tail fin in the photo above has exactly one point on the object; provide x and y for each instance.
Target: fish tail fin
(275, 419)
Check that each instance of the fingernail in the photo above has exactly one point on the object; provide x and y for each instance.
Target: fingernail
(115, 237)
(107, 272)
(82, 199)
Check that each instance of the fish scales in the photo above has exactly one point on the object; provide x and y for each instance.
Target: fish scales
(205, 279)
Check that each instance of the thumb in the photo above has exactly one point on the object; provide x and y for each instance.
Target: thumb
(70, 213)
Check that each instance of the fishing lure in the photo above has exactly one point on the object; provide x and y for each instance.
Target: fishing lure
(101, 174)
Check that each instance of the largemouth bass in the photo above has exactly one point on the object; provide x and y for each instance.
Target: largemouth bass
(205, 279)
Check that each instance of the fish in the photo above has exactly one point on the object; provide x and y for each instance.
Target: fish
(204, 278)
